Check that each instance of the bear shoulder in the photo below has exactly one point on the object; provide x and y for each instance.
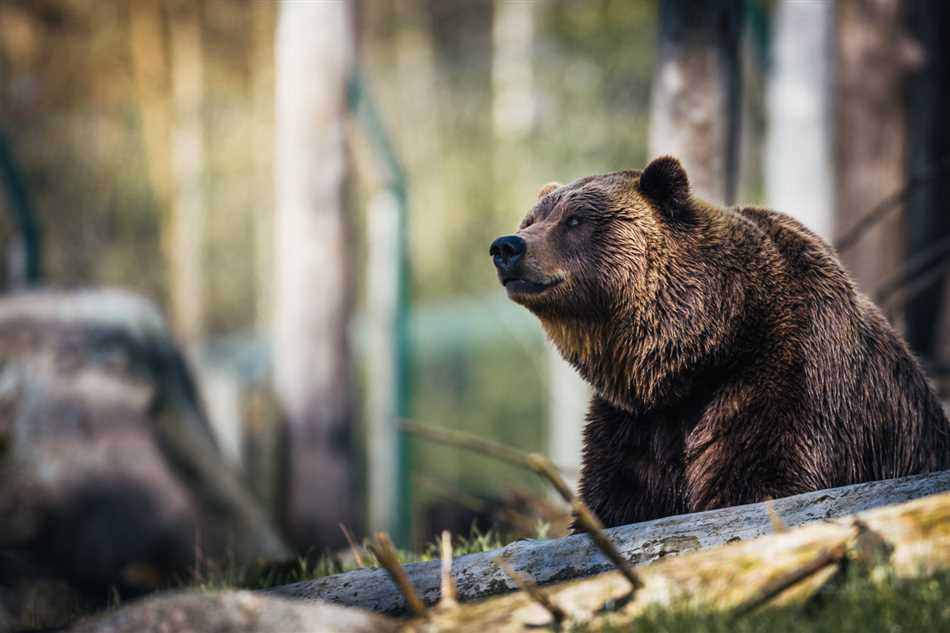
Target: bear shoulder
(805, 255)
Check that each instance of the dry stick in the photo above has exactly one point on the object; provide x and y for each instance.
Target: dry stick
(546, 469)
(595, 529)
(912, 269)
(892, 202)
(897, 306)
(385, 553)
(354, 549)
(780, 584)
(778, 525)
(528, 586)
(829, 557)
(449, 599)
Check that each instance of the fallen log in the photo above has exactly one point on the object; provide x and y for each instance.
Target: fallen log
(910, 540)
(576, 556)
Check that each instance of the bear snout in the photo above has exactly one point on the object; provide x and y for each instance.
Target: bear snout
(507, 251)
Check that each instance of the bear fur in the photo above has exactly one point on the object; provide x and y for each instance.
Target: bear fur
(731, 357)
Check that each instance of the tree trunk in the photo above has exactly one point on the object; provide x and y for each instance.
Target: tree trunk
(641, 543)
(151, 86)
(312, 286)
(927, 219)
(263, 17)
(696, 94)
(188, 162)
(798, 177)
(870, 140)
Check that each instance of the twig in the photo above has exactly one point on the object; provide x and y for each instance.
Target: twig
(544, 468)
(354, 549)
(863, 539)
(778, 525)
(467, 441)
(892, 202)
(449, 599)
(385, 553)
(921, 283)
(912, 269)
(595, 529)
(528, 586)
(777, 586)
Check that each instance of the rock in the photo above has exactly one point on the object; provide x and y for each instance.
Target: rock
(235, 612)
(109, 474)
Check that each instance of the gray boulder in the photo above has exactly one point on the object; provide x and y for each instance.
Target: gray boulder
(235, 612)
(109, 474)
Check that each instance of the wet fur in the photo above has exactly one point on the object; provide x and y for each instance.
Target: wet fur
(731, 357)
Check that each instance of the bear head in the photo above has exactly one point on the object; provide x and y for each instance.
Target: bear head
(605, 263)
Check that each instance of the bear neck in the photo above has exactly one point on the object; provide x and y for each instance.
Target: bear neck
(609, 361)
(635, 372)
(642, 365)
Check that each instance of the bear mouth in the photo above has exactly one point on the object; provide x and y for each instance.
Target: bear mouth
(521, 286)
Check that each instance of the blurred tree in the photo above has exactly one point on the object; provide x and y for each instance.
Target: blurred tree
(874, 54)
(187, 226)
(313, 278)
(23, 245)
(927, 220)
(263, 16)
(147, 41)
(696, 92)
(798, 175)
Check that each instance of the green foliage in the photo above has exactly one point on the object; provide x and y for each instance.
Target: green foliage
(475, 543)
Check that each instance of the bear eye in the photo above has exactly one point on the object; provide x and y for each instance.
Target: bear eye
(574, 220)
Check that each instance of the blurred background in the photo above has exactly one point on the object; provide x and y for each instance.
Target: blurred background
(307, 192)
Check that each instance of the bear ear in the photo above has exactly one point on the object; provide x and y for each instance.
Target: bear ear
(548, 188)
(665, 183)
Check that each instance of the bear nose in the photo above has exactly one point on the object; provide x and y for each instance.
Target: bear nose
(506, 251)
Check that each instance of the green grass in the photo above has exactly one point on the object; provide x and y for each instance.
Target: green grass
(854, 604)
(219, 577)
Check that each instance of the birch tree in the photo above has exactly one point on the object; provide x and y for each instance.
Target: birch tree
(798, 172)
(312, 285)
(694, 113)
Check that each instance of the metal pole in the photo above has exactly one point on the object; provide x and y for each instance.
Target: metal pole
(29, 269)
(399, 522)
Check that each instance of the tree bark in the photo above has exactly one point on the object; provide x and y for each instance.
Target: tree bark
(696, 94)
(576, 556)
(313, 273)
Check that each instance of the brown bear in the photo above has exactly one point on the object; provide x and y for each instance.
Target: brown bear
(731, 357)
